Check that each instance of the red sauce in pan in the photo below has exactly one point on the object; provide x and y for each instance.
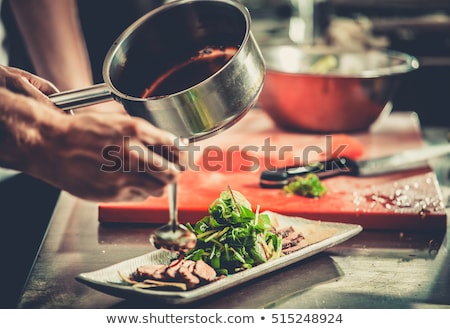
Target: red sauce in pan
(187, 74)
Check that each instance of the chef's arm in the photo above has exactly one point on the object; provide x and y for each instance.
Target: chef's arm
(54, 40)
(56, 45)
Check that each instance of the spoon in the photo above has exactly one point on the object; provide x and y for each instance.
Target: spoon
(173, 236)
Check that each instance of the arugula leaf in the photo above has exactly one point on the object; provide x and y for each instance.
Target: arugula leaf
(232, 237)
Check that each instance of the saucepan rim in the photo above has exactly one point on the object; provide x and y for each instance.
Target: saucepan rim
(127, 33)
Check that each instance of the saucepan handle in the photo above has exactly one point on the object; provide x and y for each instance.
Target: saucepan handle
(72, 99)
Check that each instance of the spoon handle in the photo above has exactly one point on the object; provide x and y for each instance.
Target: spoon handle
(173, 209)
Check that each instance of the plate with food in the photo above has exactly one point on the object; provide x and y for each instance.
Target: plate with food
(235, 244)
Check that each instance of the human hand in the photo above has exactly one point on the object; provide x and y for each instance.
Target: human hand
(26, 83)
(100, 156)
(109, 157)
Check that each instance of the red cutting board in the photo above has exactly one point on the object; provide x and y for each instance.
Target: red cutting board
(409, 200)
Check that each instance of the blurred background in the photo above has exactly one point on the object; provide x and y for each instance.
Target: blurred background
(418, 27)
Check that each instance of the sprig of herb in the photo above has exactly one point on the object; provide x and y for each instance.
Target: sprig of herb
(308, 186)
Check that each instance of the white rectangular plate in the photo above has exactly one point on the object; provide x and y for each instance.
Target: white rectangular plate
(325, 235)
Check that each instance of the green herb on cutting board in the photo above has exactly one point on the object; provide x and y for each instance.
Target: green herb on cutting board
(308, 186)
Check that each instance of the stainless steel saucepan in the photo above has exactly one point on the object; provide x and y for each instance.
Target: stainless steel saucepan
(164, 39)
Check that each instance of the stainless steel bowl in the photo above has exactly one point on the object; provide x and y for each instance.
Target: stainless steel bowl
(321, 90)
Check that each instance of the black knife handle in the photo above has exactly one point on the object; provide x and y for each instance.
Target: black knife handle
(323, 169)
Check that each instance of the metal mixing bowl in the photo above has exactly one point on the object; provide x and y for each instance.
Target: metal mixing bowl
(322, 90)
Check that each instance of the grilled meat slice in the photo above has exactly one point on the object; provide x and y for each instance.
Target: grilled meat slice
(192, 273)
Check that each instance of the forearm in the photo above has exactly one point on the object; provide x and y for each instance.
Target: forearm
(54, 41)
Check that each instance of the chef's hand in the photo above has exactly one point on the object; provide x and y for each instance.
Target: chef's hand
(111, 157)
(100, 156)
(26, 83)
(31, 85)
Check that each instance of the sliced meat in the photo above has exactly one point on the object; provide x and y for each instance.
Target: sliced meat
(286, 231)
(192, 265)
(147, 271)
(160, 274)
(204, 271)
(292, 236)
(172, 269)
(192, 273)
(292, 241)
(294, 245)
(185, 273)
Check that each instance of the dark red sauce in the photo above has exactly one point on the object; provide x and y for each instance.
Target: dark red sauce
(187, 74)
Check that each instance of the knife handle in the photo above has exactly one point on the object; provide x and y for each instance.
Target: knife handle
(323, 169)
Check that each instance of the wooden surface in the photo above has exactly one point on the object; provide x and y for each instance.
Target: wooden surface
(237, 156)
